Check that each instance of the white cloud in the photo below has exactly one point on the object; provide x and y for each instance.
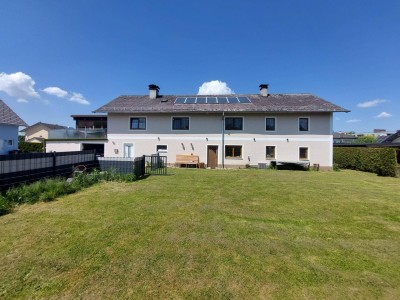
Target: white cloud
(353, 121)
(22, 101)
(215, 87)
(371, 103)
(383, 115)
(76, 97)
(55, 91)
(18, 85)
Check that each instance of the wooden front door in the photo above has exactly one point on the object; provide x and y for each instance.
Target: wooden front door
(212, 157)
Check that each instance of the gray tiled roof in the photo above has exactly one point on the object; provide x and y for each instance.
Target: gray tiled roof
(8, 116)
(271, 103)
(49, 126)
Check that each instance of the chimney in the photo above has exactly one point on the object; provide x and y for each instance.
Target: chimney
(264, 89)
(153, 91)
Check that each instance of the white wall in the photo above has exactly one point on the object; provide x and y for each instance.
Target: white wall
(63, 146)
(7, 133)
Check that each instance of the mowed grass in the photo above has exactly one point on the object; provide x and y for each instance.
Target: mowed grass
(210, 234)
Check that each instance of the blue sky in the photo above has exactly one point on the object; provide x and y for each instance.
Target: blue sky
(59, 58)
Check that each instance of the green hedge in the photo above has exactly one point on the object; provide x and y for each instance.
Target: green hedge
(25, 147)
(381, 161)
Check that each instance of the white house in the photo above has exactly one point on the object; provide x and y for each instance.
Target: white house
(9, 123)
(223, 130)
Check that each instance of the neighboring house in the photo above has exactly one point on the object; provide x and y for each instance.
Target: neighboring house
(38, 132)
(90, 134)
(344, 138)
(223, 130)
(9, 123)
(390, 139)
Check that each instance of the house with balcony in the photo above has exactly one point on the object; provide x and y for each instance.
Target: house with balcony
(90, 133)
(9, 124)
(38, 132)
(223, 130)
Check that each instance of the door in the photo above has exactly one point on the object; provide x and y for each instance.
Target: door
(212, 157)
(128, 150)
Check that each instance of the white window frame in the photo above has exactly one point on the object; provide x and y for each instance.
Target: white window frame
(266, 158)
(234, 130)
(139, 117)
(231, 157)
(298, 125)
(265, 124)
(132, 152)
(308, 153)
(184, 130)
(162, 150)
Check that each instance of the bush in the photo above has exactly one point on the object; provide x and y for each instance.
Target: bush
(381, 161)
(5, 206)
(25, 147)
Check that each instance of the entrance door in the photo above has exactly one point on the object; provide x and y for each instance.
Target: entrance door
(212, 157)
(128, 150)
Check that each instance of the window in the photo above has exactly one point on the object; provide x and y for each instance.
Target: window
(270, 152)
(180, 123)
(303, 153)
(233, 151)
(138, 123)
(10, 142)
(233, 123)
(161, 148)
(270, 124)
(128, 150)
(303, 124)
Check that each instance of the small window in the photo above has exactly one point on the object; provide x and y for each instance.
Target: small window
(162, 148)
(180, 123)
(233, 151)
(270, 124)
(303, 124)
(303, 153)
(270, 152)
(10, 142)
(233, 123)
(138, 123)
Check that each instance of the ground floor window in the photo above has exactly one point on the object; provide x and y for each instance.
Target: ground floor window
(233, 151)
(303, 153)
(10, 142)
(270, 152)
(161, 148)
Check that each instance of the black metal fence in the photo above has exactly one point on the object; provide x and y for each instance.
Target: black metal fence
(29, 167)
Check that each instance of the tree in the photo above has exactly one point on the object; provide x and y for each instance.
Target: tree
(366, 139)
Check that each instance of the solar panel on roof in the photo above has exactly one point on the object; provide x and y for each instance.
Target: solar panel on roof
(211, 100)
(233, 100)
(244, 100)
(222, 100)
(201, 100)
(180, 100)
(191, 100)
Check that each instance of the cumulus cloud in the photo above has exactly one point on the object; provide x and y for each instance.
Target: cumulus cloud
(215, 87)
(383, 115)
(55, 91)
(18, 85)
(353, 121)
(371, 103)
(76, 97)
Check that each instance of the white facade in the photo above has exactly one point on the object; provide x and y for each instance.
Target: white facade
(207, 130)
(8, 138)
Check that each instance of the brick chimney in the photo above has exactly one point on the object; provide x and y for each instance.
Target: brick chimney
(153, 91)
(264, 89)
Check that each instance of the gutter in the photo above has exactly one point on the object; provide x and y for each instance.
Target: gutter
(223, 140)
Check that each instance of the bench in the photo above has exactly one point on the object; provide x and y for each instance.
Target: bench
(182, 159)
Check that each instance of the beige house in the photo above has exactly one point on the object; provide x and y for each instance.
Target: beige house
(39, 132)
(223, 130)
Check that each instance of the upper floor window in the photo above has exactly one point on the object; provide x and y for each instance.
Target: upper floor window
(138, 123)
(233, 123)
(180, 123)
(270, 124)
(304, 124)
(10, 142)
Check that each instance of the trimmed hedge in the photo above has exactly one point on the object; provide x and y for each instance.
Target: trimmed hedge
(381, 161)
(25, 147)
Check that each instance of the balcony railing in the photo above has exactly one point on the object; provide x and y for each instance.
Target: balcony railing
(82, 133)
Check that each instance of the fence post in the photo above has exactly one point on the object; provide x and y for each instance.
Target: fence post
(54, 164)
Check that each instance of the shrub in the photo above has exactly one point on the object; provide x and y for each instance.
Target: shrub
(5, 206)
(381, 161)
(25, 147)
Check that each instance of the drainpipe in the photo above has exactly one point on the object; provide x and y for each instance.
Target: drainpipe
(223, 140)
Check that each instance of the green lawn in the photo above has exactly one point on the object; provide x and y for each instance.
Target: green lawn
(240, 234)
